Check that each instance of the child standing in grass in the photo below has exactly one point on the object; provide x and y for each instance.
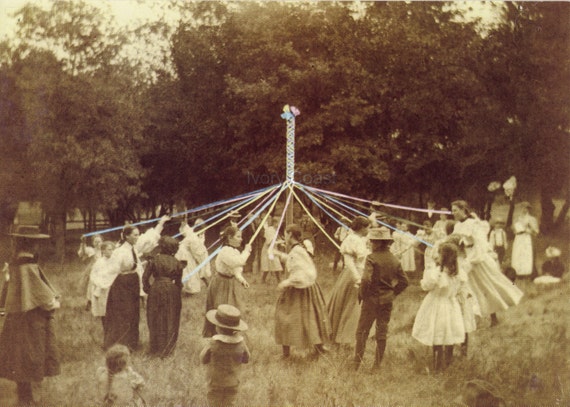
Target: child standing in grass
(439, 321)
(100, 280)
(225, 352)
(118, 383)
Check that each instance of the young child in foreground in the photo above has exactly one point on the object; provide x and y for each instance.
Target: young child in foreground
(118, 383)
(225, 352)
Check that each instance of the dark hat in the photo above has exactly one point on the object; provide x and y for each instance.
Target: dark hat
(234, 214)
(29, 232)
(168, 245)
(379, 233)
(226, 316)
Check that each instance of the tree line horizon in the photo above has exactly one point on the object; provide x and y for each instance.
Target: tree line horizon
(400, 101)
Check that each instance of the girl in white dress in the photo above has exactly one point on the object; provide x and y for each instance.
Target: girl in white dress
(439, 321)
(494, 292)
(101, 279)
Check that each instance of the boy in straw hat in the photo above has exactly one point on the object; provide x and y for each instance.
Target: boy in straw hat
(377, 292)
(225, 352)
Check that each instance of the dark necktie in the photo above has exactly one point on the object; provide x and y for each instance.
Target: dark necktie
(135, 261)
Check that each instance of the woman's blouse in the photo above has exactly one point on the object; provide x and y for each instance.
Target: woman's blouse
(230, 261)
(163, 266)
(354, 250)
(301, 269)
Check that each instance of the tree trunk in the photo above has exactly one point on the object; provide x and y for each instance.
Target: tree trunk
(547, 215)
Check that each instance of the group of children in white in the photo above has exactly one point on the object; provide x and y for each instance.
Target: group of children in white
(462, 274)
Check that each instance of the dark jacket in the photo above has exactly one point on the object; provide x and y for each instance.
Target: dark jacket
(383, 278)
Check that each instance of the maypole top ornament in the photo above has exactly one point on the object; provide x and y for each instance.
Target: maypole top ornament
(290, 112)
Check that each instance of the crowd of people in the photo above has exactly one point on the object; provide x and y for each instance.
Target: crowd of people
(461, 261)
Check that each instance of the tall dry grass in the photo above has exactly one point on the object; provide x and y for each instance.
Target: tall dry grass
(531, 339)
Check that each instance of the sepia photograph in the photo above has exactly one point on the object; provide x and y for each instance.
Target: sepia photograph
(284, 203)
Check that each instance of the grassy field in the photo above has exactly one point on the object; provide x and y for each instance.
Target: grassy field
(531, 339)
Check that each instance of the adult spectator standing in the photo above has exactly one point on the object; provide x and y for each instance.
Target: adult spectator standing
(123, 303)
(525, 228)
(28, 351)
(377, 292)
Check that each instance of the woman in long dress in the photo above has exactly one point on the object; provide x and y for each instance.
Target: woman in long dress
(164, 297)
(301, 318)
(494, 292)
(223, 288)
(123, 303)
(343, 308)
(525, 228)
(28, 350)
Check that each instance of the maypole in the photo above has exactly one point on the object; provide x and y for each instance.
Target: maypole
(289, 114)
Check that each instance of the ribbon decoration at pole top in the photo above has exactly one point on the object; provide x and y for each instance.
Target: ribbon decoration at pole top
(289, 114)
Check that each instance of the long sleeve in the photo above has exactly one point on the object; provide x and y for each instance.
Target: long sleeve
(402, 283)
(366, 280)
(146, 277)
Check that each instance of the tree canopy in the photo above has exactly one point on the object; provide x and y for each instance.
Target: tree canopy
(398, 100)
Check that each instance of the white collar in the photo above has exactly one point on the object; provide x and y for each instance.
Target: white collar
(237, 338)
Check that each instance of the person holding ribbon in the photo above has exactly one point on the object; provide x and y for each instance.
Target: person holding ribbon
(494, 292)
(223, 288)
(343, 306)
(123, 303)
(300, 315)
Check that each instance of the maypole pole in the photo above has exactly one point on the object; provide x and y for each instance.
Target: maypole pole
(289, 114)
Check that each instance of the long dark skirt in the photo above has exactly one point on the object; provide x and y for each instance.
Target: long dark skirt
(163, 316)
(122, 314)
(28, 351)
(301, 318)
(222, 290)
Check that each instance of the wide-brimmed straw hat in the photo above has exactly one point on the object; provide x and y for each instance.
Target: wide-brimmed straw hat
(552, 251)
(28, 232)
(226, 316)
(379, 233)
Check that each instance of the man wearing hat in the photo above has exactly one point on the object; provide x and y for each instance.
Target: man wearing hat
(28, 351)
(224, 354)
(377, 292)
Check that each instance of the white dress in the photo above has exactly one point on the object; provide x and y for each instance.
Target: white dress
(268, 264)
(100, 279)
(193, 251)
(522, 258)
(439, 320)
(403, 249)
(494, 291)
